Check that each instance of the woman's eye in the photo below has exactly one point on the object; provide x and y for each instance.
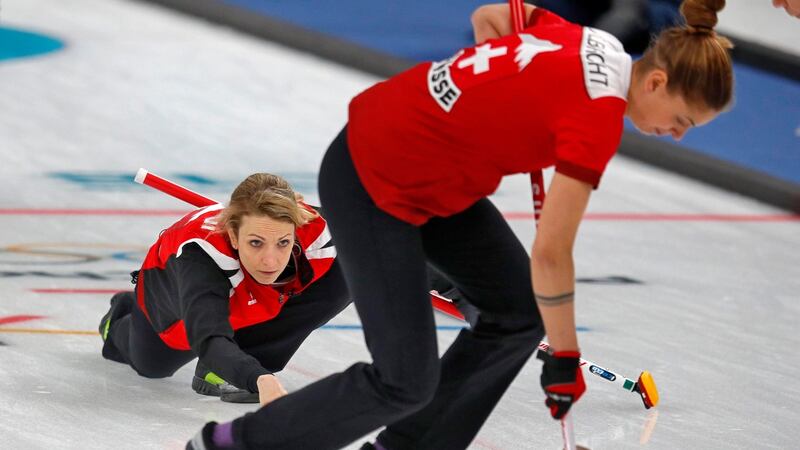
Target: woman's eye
(255, 243)
(284, 243)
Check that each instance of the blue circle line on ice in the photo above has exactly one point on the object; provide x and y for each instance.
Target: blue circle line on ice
(438, 327)
(16, 43)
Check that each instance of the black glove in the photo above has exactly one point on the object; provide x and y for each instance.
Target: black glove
(562, 380)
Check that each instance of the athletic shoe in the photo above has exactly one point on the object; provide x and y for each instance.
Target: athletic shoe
(121, 305)
(203, 439)
(206, 382)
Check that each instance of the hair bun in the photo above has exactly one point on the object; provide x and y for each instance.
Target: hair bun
(701, 15)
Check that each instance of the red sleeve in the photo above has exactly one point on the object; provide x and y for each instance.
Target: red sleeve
(588, 137)
(541, 16)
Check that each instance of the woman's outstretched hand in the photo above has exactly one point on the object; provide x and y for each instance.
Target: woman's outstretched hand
(269, 388)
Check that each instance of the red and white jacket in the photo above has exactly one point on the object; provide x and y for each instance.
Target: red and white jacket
(192, 286)
(433, 140)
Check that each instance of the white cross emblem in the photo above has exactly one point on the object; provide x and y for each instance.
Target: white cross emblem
(480, 60)
(530, 47)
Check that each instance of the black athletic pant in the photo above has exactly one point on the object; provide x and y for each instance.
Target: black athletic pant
(430, 403)
(272, 343)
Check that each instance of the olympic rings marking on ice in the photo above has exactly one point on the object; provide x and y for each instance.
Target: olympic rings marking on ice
(46, 253)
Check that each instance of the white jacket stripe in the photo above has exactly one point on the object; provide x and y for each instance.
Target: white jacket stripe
(208, 208)
(222, 260)
(321, 240)
(327, 252)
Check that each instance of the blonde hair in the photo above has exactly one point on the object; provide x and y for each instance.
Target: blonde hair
(263, 194)
(696, 59)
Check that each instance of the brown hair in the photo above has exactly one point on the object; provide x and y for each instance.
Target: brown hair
(696, 59)
(263, 194)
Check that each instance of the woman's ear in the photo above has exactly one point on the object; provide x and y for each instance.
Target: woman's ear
(232, 238)
(655, 79)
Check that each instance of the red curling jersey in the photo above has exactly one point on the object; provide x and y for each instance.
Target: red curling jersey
(433, 140)
(191, 266)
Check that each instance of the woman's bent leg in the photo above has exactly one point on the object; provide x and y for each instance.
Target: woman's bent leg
(480, 254)
(142, 349)
(384, 265)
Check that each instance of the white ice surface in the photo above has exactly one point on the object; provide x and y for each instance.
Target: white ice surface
(137, 86)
